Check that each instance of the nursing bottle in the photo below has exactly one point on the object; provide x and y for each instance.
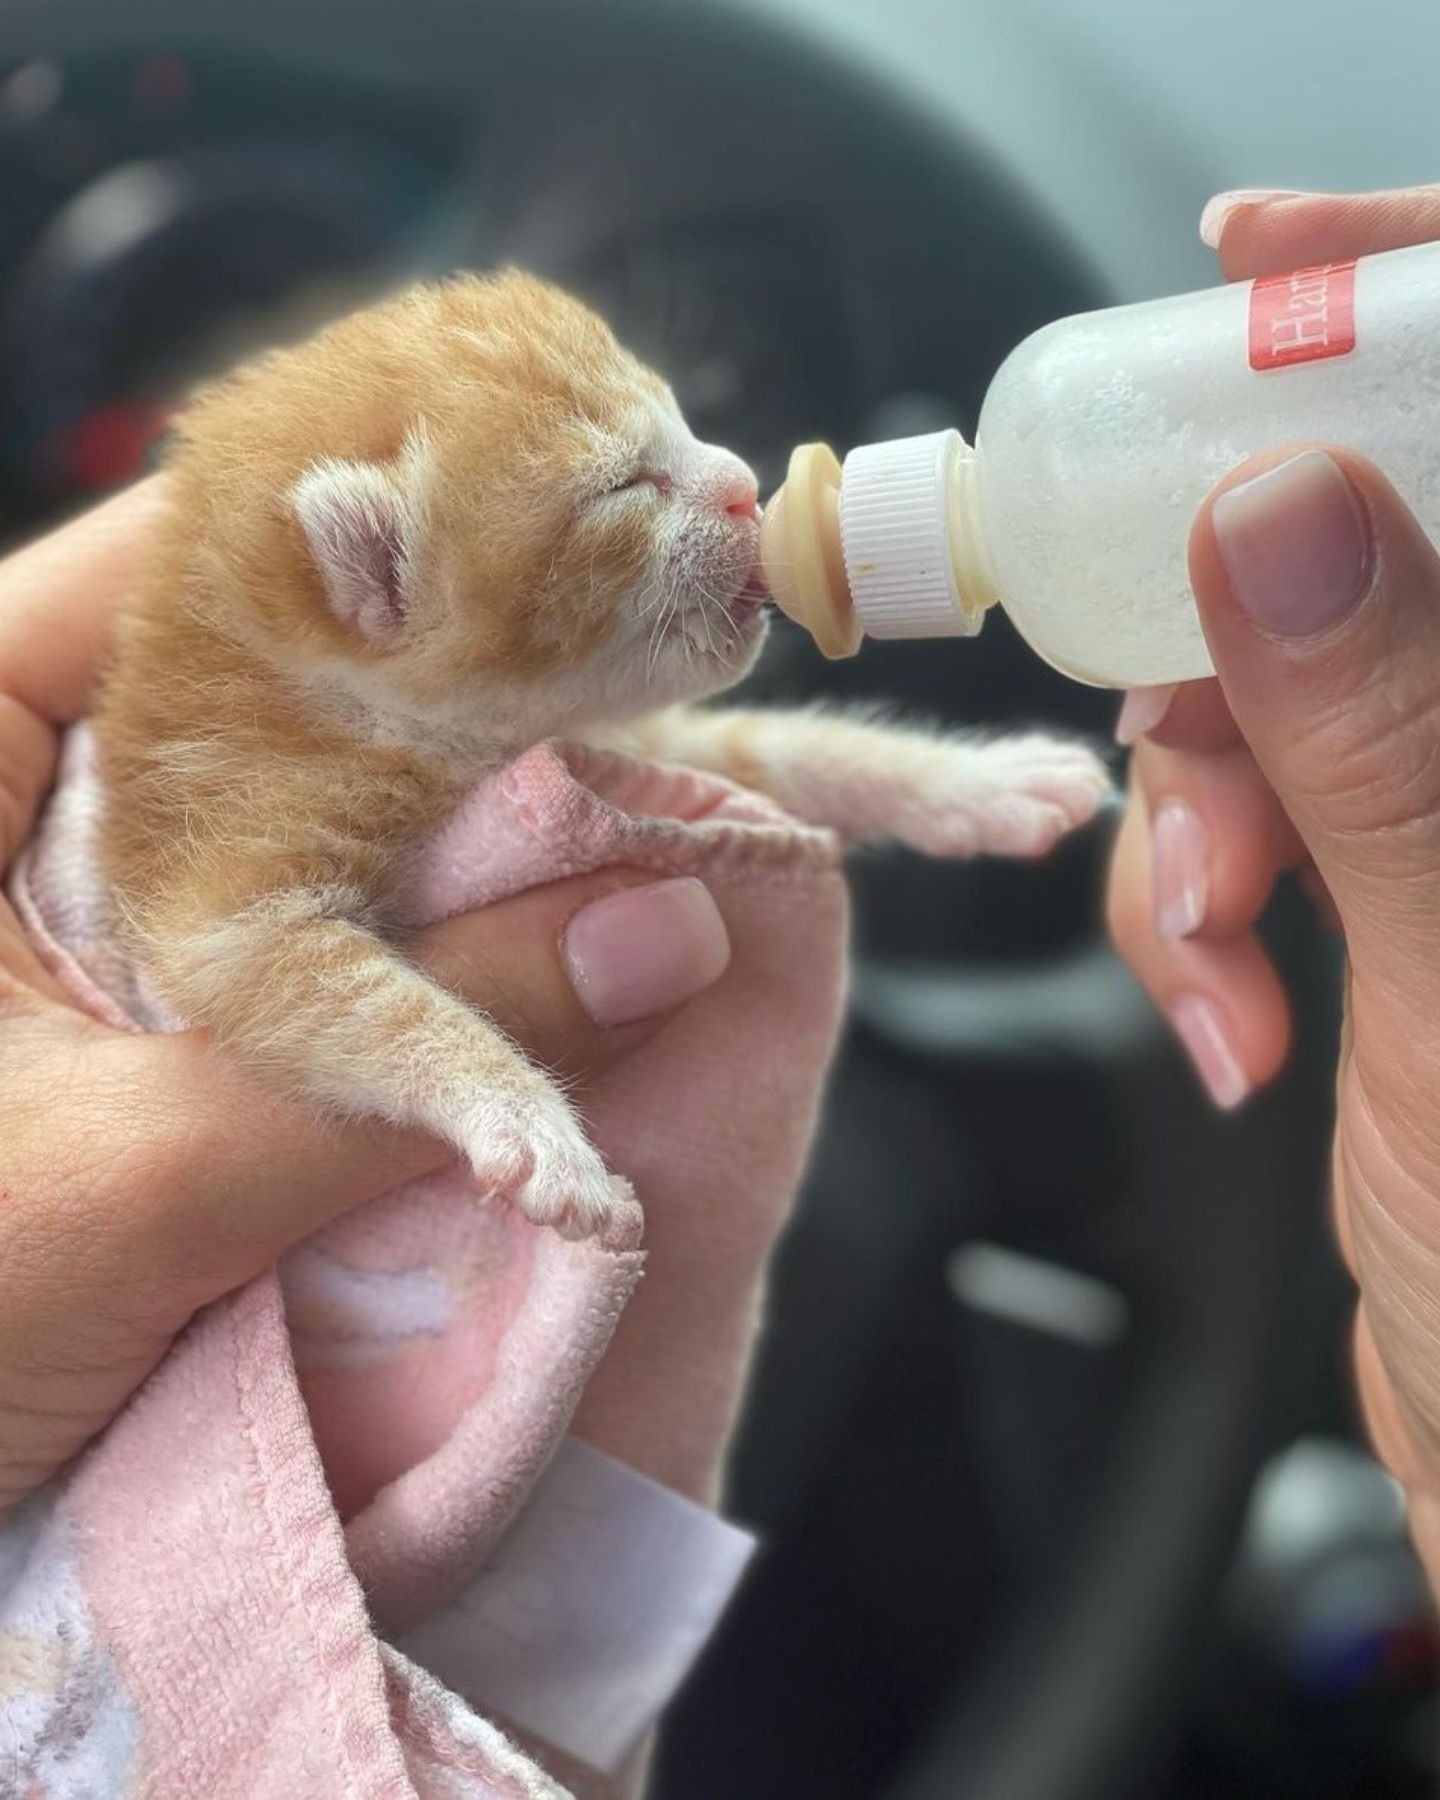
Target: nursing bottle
(1099, 437)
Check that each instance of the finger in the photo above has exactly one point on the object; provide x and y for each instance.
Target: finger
(1271, 235)
(1320, 597)
(578, 974)
(58, 599)
(1220, 993)
(1187, 715)
(1218, 838)
(1385, 1423)
(57, 604)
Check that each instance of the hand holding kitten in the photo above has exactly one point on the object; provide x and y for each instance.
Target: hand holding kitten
(123, 1157)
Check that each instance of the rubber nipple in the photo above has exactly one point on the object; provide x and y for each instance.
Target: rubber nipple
(801, 556)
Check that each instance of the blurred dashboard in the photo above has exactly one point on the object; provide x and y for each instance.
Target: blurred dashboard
(160, 214)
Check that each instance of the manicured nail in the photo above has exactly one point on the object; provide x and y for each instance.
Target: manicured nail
(644, 950)
(1218, 210)
(1180, 869)
(1295, 543)
(1142, 711)
(1201, 1029)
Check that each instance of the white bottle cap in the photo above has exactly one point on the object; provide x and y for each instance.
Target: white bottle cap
(895, 530)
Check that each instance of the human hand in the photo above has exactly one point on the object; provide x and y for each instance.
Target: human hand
(1317, 751)
(143, 1176)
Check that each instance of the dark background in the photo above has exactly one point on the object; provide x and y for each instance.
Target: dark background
(1051, 1442)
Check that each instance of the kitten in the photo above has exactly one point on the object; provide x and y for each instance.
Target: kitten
(443, 530)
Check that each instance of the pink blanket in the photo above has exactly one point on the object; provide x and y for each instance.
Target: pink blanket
(202, 1604)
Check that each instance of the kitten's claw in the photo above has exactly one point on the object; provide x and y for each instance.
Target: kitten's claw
(532, 1147)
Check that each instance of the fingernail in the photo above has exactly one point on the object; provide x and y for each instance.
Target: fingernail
(1295, 543)
(1180, 869)
(1201, 1029)
(1142, 711)
(1218, 210)
(642, 951)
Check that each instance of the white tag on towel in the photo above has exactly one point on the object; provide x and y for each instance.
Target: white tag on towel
(592, 1610)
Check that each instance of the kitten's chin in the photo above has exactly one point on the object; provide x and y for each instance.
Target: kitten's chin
(727, 632)
(694, 666)
(723, 654)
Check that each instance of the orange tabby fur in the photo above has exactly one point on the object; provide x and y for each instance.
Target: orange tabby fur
(394, 557)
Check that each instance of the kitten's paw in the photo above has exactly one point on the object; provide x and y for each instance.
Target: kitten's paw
(1013, 797)
(1069, 776)
(531, 1146)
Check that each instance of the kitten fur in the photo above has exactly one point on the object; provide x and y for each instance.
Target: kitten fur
(443, 530)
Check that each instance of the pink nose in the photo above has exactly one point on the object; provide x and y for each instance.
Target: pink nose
(741, 497)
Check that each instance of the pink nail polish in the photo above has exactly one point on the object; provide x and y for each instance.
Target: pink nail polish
(642, 951)
(1142, 711)
(1180, 869)
(1218, 210)
(1296, 546)
(1201, 1028)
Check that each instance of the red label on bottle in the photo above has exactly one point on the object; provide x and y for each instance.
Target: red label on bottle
(1302, 316)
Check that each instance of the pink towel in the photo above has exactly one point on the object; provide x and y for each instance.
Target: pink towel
(202, 1604)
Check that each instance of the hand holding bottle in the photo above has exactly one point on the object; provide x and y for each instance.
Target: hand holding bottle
(1318, 750)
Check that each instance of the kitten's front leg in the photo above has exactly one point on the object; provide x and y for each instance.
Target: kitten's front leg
(330, 1012)
(874, 781)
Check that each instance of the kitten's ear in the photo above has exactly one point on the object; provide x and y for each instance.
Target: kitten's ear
(361, 520)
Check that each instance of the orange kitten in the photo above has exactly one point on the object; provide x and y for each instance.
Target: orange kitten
(393, 558)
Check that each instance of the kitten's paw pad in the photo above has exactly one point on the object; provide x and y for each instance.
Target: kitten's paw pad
(1067, 776)
(534, 1149)
(1018, 825)
(1010, 798)
(569, 1187)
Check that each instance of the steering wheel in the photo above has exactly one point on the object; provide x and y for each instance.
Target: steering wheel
(646, 114)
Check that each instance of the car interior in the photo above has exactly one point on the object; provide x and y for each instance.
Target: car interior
(1051, 1444)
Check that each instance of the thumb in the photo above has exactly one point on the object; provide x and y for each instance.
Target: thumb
(1320, 598)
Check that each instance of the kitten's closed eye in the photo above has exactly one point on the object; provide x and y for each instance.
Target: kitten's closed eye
(640, 480)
